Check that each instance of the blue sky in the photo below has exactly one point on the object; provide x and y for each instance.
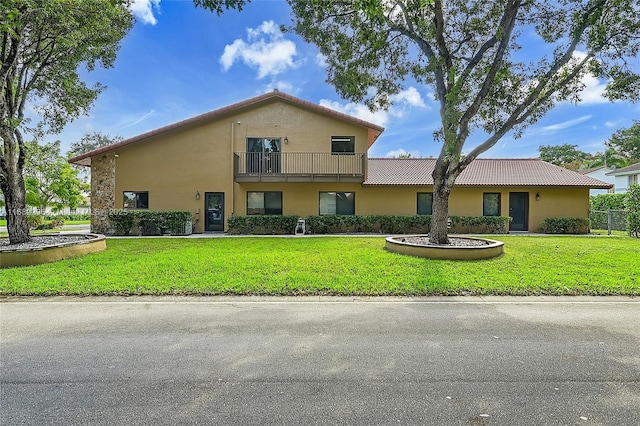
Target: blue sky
(179, 61)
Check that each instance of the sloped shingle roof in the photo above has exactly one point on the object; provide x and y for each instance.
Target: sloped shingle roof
(625, 170)
(374, 129)
(481, 172)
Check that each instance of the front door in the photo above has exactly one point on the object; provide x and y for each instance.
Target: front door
(519, 211)
(214, 208)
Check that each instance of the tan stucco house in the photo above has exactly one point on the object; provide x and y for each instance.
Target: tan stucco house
(278, 154)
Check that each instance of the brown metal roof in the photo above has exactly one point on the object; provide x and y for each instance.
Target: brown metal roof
(481, 172)
(374, 129)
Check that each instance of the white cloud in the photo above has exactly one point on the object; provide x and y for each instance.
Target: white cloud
(593, 92)
(615, 123)
(547, 130)
(321, 60)
(411, 96)
(357, 110)
(283, 86)
(143, 10)
(266, 50)
(400, 151)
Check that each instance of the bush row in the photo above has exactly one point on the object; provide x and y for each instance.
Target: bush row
(68, 217)
(386, 224)
(146, 222)
(565, 225)
(39, 222)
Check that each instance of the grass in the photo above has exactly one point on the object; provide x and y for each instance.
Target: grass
(47, 231)
(333, 265)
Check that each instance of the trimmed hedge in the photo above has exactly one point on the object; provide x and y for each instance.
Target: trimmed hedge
(262, 224)
(565, 225)
(604, 202)
(147, 222)
(384, 224)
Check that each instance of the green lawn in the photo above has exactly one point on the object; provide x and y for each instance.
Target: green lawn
(333, 265)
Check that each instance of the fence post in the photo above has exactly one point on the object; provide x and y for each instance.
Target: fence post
(609, 221)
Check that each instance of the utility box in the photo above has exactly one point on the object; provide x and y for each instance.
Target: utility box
(300, 227)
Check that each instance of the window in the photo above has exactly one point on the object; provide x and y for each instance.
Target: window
(425, 203)
(136, 199)
(343, 144)
(633, 179)
(491, 204)
(337, 203)
(264, 203)
(263, 155)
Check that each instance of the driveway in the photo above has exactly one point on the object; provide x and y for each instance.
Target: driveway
(252, 361)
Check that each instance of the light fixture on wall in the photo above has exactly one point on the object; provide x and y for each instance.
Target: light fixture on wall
(537, 196)
(286, 140)
(197, 195)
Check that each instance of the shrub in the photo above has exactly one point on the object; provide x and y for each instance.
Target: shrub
(480, 224)
(632, 204)
(604, 202)
(122, 221)
(150, 222)
(35, 221)
(386, 224)
(564, 225)
(262, 224)
(68, 217)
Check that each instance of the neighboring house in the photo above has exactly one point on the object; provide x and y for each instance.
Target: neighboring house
(600, 173)
(625, 176)
(278, 154)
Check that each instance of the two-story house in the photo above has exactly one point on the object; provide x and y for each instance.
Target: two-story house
(625, 177)
(278, 154)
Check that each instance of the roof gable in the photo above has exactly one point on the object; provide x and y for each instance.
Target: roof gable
(481, 172)
(276, 96)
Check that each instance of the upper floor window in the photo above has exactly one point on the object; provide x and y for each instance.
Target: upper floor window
(337, 203)
(491, 204)
(264, 203)
(425, 203)
(136, 199)
(343, 144)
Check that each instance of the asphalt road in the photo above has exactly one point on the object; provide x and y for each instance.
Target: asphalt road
(470, 361)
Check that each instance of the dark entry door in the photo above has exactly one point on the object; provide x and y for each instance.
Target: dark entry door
(214, 209)
(519, 211)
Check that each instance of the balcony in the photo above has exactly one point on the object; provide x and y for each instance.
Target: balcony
(298, 167)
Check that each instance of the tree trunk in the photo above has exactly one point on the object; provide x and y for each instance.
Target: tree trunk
(15, 206)
(439, 232)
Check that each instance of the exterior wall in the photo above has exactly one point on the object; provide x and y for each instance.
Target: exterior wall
(601, 174)
(302, 199)
(176, 165)
(103, 180)
(622, 182)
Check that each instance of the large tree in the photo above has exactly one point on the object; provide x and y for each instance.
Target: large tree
(469, 53)
(91, 141)
(50, 180)
(627, 142)
(42, 46)
(563, 155)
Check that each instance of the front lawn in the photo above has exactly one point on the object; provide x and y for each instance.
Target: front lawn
(333, 265)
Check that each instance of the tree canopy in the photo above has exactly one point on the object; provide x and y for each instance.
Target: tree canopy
(469, 53)
(49, 180)
(42, 46)
(90, 142)
(563, 155)
(627, 142)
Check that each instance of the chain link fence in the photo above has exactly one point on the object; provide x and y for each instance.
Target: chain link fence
(611, 220)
